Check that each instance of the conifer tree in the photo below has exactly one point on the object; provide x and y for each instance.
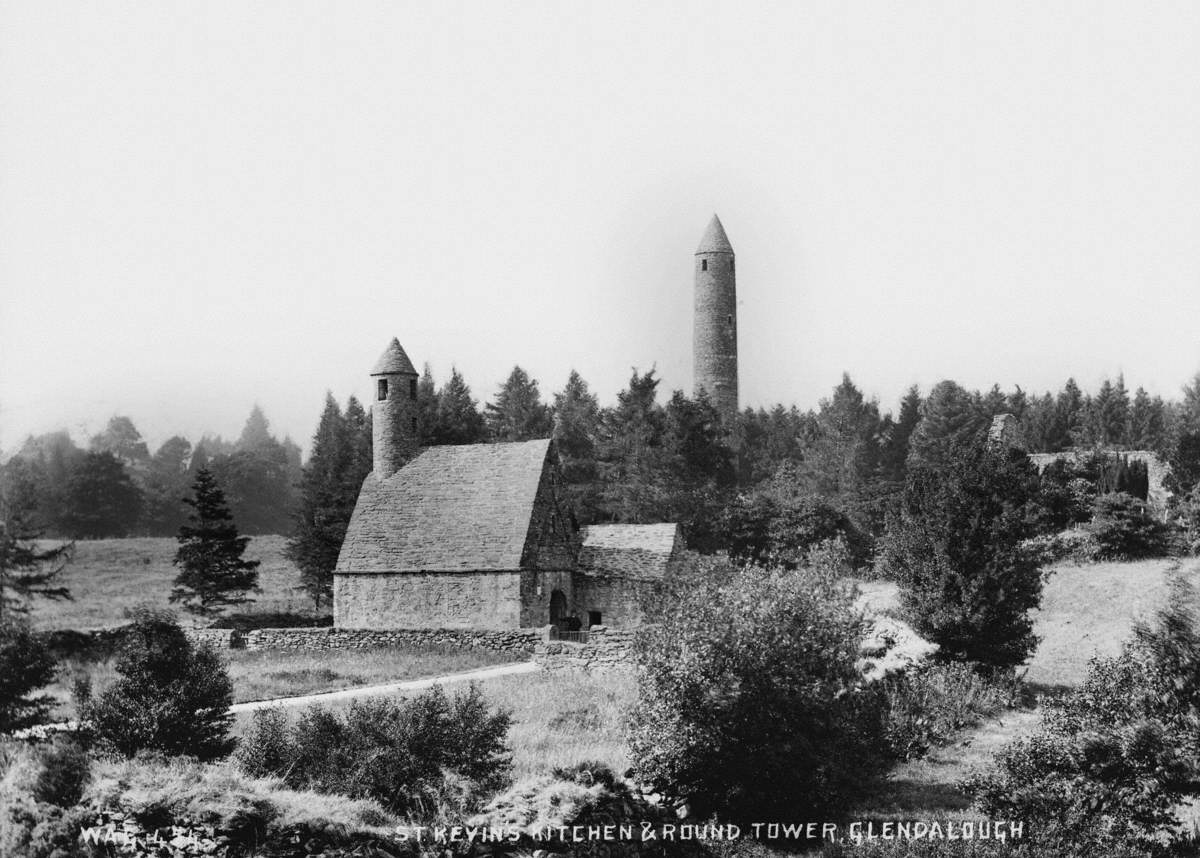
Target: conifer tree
(358, 429)
(518, 414)
(458, 417)
(101, 498)
(321, 516)
(949, 417)
(630, 453)
(576, 426)
(213, 574)
(427, 408)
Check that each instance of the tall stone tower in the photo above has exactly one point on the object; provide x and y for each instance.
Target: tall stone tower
(714, 343)
(394, 411)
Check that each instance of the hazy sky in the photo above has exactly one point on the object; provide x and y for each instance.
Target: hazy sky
(208, 204)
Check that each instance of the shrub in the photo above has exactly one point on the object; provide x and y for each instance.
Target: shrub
(1078, 545)
(1113, 760)
(925, 707)
(26, 665)
(413, 756)
(748, 703)
(169, 697)
(1124, 528)
(66, 767)
(966, 582)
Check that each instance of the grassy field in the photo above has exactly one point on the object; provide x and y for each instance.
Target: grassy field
(266, 675)
(106, 577)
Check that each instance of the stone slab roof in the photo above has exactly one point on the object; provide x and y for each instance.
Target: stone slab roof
(394, 360)
(629, 550)
(451, 509)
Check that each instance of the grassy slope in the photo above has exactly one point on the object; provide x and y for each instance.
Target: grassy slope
(1086, 611)
(108, 576)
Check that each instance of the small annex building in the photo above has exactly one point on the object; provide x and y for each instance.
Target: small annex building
(481, 536)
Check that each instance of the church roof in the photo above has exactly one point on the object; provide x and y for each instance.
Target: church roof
(393, 360)
(629, 550)
(451, 509)
(715, 240)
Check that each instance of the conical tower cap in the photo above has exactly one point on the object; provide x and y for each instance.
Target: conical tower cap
(393, 361)
(715, 240)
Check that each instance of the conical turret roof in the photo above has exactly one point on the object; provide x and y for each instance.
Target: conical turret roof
(715, 240)
(393, 361)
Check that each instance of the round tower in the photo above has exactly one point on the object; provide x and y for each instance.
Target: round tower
(393, 411)
(714, 343)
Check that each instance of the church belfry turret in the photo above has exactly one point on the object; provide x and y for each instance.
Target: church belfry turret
(393, 411)
(714, 341)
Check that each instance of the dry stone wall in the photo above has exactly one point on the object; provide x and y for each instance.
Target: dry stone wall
(606, 650)
(1158, 497)
(512, 641)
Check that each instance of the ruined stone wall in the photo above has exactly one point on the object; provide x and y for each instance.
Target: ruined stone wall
(620, 601)
(1158, 497)
(606, 650)
(517, 641)
(427, 600)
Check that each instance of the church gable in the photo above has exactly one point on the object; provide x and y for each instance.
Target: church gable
(553, 540)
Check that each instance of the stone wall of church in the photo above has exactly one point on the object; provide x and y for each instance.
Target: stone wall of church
(621, 602)
(427, 600)
(537, 589)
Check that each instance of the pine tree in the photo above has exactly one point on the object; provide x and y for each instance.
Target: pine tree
(518, 414)
(328, 490)
(121, 438)
(1069, 408)
(165, 484)
(101, 498)
(895, 451)
(213, 574)
(949, 417)
(576, 426)
(630, 453)
(427, 408)
(458, 417)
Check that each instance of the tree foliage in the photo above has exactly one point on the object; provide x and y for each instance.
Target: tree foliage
(169, 695)
(518, 413)
(747, 704)
(967, 583)
(101, 498)
(212, 572)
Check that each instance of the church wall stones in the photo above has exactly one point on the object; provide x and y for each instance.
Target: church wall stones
(606, 650)
(427, 600)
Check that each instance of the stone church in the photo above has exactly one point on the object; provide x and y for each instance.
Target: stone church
(481, 536)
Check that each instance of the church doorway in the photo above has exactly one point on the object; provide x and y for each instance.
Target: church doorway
(558, 609)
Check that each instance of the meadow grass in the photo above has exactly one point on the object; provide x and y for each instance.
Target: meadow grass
(268, 674)
(107, 577)
(558, 718)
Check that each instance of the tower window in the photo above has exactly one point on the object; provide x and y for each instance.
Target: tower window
(412, 388)
(730, 318)
(381, 392)
(414, 425)
(703, 264)
(731, 265)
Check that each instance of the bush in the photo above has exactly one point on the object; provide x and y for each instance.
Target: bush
(1124, 529)
(66, 767)
(925, 707)
(26, 665)
(1077, 545)
(169, 697)
(967, 583)
(748, 701)
(413, 756)
(1112, 761)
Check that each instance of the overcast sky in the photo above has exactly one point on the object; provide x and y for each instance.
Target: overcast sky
(208, 204)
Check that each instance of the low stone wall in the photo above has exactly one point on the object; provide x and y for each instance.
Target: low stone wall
(218, 638)
(606, 650)
(517, 641)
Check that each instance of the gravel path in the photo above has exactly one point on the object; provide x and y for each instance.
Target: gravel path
(389, 688)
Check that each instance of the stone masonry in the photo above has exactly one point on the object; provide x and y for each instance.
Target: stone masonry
(714, 338)
(606, 650)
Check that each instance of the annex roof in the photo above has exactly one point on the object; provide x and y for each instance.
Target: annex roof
(393, 360)
(451, 509)
(628, 550)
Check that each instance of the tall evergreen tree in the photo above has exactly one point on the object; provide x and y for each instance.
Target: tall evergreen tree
(165, 483)
(949, 417)
(328, 491)
(518, 413)
(630, 453)
(1070, 413)
(895, 450)
(427, 408)
(213, 574)
(458, 417)
(576, 427)
(102, 500)
(1147, 422)
(121, 438)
